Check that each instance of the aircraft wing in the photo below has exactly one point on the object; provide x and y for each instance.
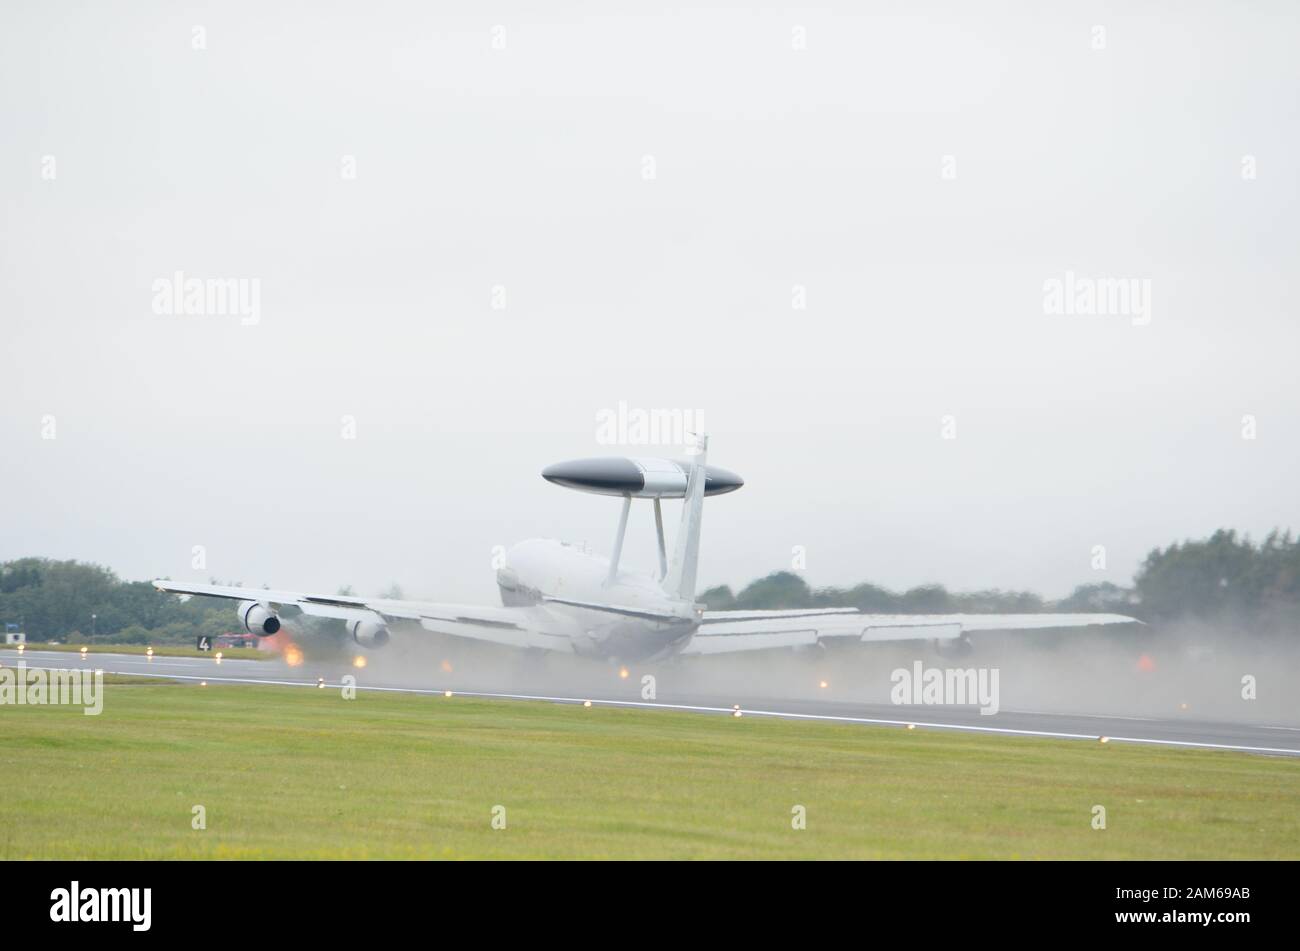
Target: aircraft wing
(724, 632)
(533, 626)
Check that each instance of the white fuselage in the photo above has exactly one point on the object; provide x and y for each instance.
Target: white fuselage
(543, 571)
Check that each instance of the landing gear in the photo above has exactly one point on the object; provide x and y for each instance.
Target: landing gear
(957, 647)
(532, 658)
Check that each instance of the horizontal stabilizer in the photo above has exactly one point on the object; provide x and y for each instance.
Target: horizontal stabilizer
(616, 609)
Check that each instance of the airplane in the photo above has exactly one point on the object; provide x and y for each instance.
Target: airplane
(558, 597)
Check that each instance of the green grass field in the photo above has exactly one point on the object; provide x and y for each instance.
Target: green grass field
(164, 650)
(285, 772)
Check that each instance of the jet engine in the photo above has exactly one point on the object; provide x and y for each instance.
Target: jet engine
(258, 619)
(369, 633)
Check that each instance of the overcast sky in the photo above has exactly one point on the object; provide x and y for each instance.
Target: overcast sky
(473, 230)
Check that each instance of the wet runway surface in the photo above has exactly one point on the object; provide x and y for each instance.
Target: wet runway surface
(1266, 739)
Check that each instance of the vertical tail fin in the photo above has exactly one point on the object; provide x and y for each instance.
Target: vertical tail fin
(680, 582)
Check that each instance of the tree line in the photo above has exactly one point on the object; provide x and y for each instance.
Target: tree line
(1225, 576)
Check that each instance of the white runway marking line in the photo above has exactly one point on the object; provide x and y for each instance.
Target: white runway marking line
(155, 665)
(1085, 716)
(143, 663)
(821, 717)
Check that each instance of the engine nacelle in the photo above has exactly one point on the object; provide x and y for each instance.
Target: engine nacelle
(369, 633)
(258, 619)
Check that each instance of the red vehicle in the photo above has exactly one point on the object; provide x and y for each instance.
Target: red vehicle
(234, 640)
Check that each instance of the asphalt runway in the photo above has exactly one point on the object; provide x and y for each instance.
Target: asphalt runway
(1264, 739)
